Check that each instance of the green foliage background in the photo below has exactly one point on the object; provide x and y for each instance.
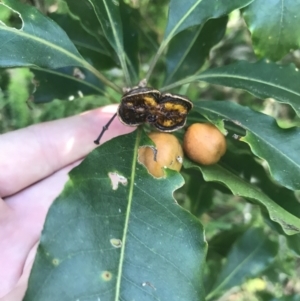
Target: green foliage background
(250, 257)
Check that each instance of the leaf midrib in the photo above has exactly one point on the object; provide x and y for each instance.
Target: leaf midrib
(250, 79)
(44, 42)
(130, 198)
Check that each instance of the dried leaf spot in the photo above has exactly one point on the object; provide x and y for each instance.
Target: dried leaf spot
(115, 242)
(106, 276)
(55, 261)
(116, 179)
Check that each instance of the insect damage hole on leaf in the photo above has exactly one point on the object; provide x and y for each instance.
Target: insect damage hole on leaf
(10, 17)
(116, 179)
(115, 242)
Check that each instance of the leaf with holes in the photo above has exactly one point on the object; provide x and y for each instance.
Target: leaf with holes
(116, 233)
(39, 42)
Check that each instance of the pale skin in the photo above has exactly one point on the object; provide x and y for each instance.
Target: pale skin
(34, 165)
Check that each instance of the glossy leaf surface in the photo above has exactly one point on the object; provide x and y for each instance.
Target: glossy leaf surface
(81, 37)
(64, 83)
(40, 42)
(109, 237)
(279, 147)
(274, 25)
(85, 13)
(108, 14)
(238, 186)
(262, 79)
(189, 49)
(185, 14)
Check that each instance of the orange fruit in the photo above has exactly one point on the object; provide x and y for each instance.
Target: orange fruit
(169, 154)
(204, 143)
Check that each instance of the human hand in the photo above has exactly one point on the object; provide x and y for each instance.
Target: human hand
(34, 166)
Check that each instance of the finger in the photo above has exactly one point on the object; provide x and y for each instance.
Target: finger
(32, 153)
(18, 291)
(21, 220)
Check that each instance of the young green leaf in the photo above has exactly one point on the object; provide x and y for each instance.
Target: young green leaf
(189, 49)
(116, 233)
(289, 223)
(279, 147)
(274, 25)
(131, 19)
(186, 14)
(249, 257)
(108, 13)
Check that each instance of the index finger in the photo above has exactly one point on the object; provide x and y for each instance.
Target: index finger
(33, 153)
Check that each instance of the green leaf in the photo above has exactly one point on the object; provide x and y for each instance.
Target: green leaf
(189, 49)
(116, 21)
(40, 42)
(248, 167)
(274, 25)
(108, 14)
(130, 18)
(279, 147)
(64, 83)
(84, 13)
(186, 14)
(116, 233)
(81, 37)
(249, 257)
(263, 79)
(293, 243)
(289, 223)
